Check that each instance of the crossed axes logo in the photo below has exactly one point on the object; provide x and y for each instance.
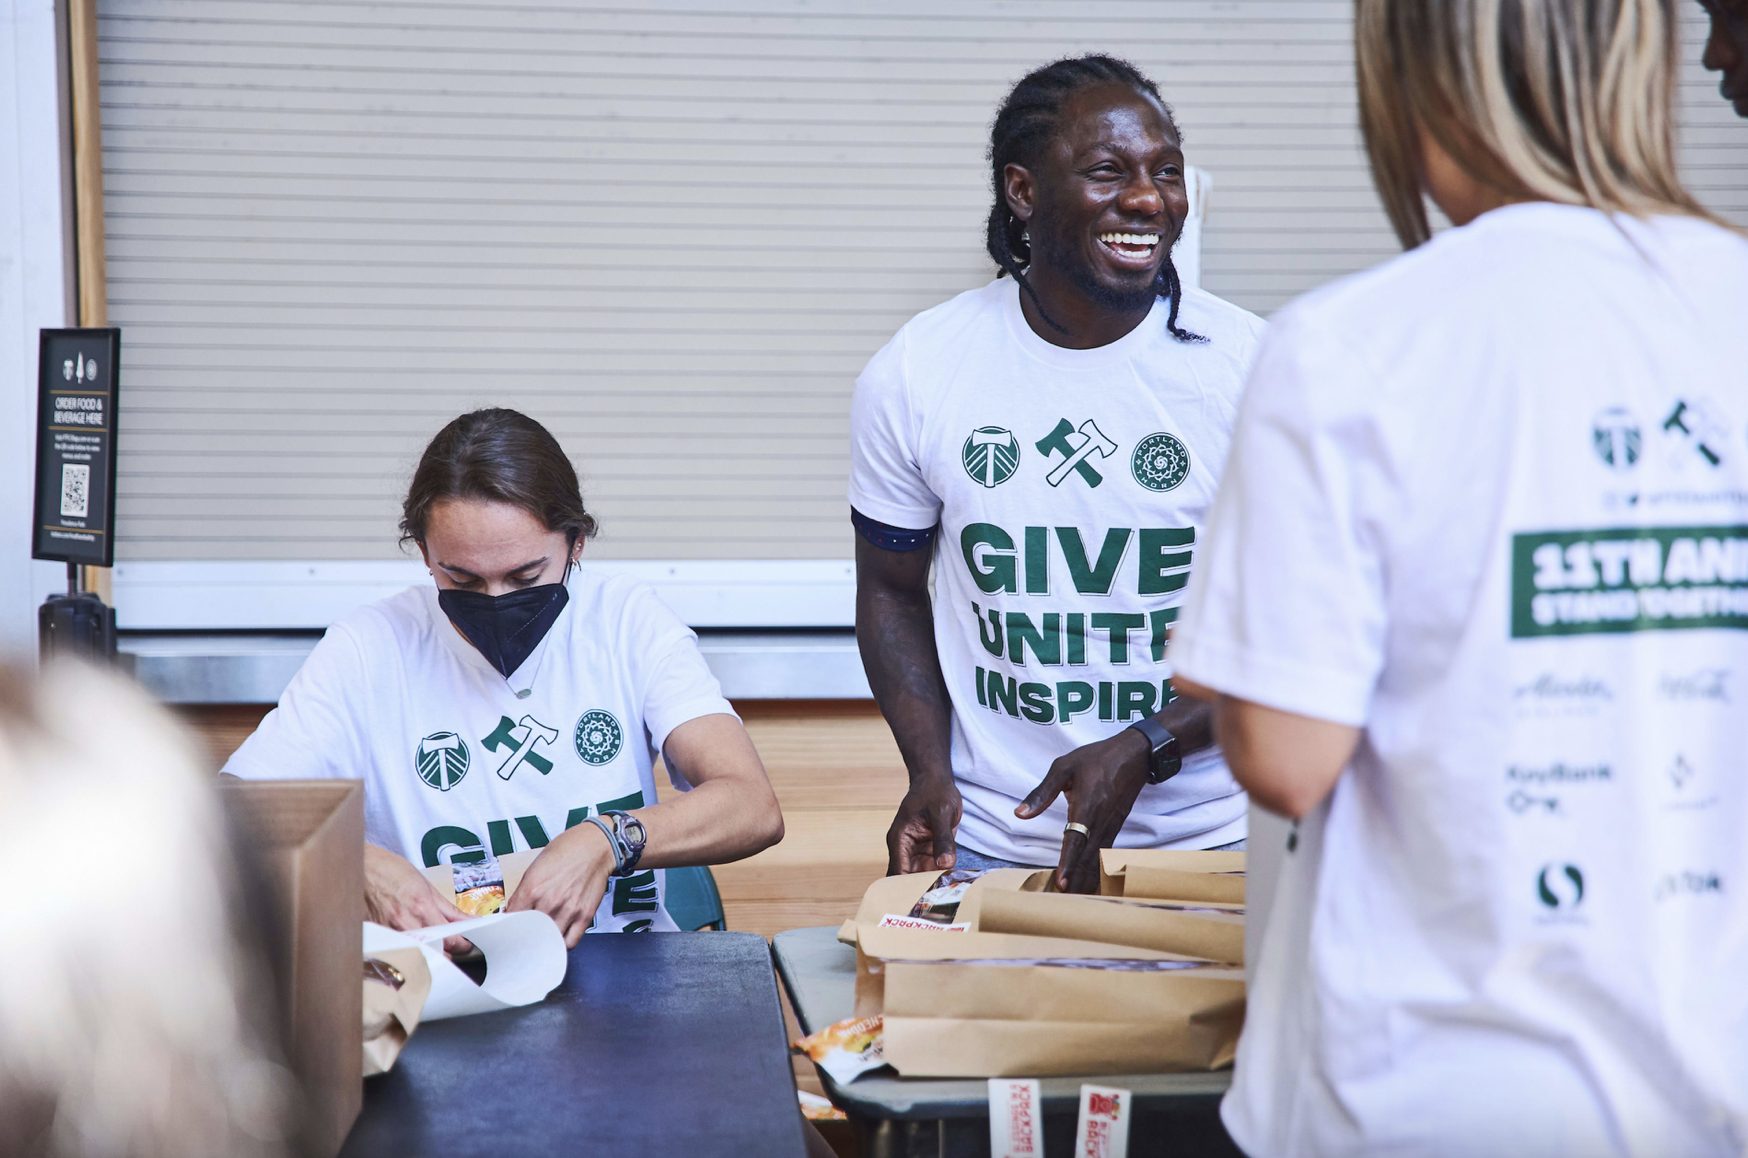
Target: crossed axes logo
(1076, 447)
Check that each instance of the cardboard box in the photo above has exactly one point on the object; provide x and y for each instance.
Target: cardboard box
(308, 838)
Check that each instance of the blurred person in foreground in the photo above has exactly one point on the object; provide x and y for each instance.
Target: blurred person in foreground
(1474, 611)
(1726, 50)
(136, 1009)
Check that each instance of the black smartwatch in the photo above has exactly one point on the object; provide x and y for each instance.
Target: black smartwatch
(1165, 756)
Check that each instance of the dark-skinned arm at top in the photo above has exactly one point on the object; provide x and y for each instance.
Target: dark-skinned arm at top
(895, 633)
(1101, 781)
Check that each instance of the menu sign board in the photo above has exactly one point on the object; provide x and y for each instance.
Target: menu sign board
(75, 447)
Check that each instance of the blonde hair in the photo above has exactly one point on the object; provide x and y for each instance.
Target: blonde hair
(136, 1013)
(1539, 100)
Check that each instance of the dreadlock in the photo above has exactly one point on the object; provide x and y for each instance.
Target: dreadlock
(1028, 119)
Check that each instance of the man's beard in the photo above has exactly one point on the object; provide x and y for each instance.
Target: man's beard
(1117, 299)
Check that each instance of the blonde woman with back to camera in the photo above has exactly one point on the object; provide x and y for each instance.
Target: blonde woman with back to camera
(137, 1015)
(1474, 612)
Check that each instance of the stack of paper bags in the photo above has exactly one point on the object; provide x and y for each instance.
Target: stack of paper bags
(1146, 976)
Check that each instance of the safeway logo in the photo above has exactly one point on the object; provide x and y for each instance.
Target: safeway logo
(1560, 887)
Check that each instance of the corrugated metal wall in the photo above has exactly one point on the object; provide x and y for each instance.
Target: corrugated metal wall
(671, 230)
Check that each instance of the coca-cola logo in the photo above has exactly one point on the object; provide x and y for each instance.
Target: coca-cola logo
(1701, 685)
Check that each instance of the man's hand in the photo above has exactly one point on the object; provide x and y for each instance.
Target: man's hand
(1101, 780)
(567, 881)
(398, 895)
(921, 837)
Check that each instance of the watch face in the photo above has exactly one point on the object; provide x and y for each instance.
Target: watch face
(1166, 760)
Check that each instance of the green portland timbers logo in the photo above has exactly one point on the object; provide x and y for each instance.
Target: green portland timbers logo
(1161, 462)
(1616, 438)
(442, 760)
(991, 455)
(599, 736)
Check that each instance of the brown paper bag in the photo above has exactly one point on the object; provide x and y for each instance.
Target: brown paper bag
(977, 1019)
(877, 947)
(1208, 934)
(396, 983)
(1172, 875)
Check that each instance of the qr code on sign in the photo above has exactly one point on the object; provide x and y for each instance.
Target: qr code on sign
(75, 490)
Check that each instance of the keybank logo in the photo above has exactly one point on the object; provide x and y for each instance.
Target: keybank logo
(1560, 887)
(1558, 773)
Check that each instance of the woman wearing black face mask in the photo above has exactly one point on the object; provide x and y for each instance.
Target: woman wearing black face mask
(518, 706)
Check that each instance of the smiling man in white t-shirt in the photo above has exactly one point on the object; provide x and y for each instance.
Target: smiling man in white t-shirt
(1052, 441)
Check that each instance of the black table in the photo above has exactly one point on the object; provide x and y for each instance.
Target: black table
(654, 1043)
(1177, 1114)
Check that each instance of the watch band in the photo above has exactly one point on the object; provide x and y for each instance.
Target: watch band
(632, 837)
(1164, 758)
(614, 842)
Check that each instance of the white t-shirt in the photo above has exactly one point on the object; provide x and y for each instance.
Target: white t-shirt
(457, 761)
(1490, 503)
(1070, 488)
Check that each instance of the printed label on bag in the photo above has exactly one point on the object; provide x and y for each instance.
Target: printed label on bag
(1103, 1129)
(1016, 1125)
(899, 921)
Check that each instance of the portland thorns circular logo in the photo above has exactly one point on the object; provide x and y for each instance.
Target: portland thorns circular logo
(599, 736)
(991, 455)
(442, 760)
(1161, 462)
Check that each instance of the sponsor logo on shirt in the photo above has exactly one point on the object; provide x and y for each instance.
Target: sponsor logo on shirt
(1160, 462)
(991, 455)
(1553, 694)
(441, 760)
(1558, 773)
(1560, 888)
(1535, 790)
(1701, 685)
(1616, 437)
(1629, 579)
(1688, 883)
(1689, 789)
(1074, 448)
(598, 736)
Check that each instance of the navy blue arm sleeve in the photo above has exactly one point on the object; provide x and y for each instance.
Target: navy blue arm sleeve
(888, 537)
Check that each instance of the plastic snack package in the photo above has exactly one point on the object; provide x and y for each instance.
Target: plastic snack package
(847, 1049)
(479, 887)
(940, 904)
(817, 1109)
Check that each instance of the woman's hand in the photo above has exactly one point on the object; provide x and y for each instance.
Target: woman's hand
(397, 895)
(567, 881)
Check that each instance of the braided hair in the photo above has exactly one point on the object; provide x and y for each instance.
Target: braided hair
(1026, 122)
